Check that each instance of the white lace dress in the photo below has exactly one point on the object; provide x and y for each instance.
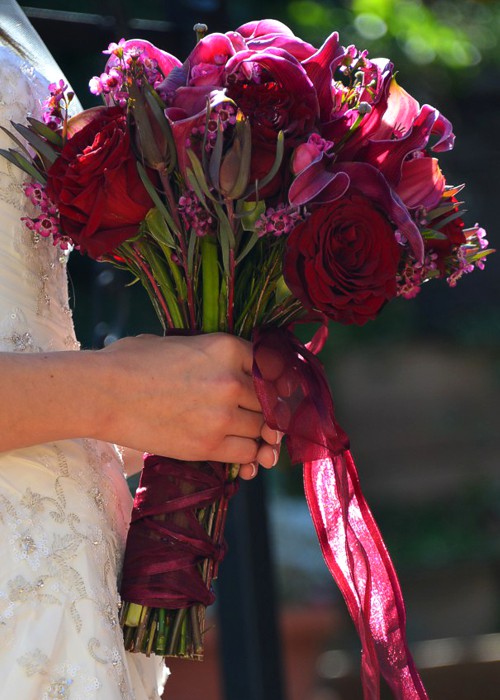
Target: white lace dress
(64, 507)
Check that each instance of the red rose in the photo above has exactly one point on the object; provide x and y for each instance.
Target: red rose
(96, 187)
(343, 260)
(281, 98)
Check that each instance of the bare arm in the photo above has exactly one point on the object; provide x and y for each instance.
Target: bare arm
(189, 398)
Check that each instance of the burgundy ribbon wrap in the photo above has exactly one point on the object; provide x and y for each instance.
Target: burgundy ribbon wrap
(166, 544)
(294, 393)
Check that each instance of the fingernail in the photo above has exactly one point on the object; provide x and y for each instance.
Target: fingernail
(279, 437)
(276, 457)
(254, 469)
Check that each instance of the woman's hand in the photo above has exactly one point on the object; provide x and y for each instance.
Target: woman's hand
(187, 397)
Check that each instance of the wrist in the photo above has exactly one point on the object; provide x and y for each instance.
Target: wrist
(103, 396)
(80, 391)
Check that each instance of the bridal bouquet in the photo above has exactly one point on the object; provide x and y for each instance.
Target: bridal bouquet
(260, 183)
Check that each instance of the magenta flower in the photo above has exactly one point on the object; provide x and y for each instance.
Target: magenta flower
(309, 152)
(267, 83)
(422, 183)
(273, 91)
(207, 61)
(269, 33)
(380, 143)
(155, 65)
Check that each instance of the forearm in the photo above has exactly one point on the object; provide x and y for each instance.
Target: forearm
(49, 396)
(189, 398)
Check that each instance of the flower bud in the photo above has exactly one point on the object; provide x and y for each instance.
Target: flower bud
(151, 131)
(234, 171)
(364, 108)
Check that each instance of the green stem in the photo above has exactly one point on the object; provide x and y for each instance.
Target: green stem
(159, 296)
(161, 639)
(180, 284)
(210, 273)
(133, 614)
(179, 230)
(232, 268)
(161, 276)
(152, 632)
(195, 627)
(176, 630)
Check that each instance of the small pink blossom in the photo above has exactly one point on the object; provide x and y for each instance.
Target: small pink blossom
(464, 267)
(58, 89)
(414, 274)
(44, 226)
(116, 49)
(277, 221)
(56, 105)
(35, 193)
(48, 223)
(481, 237)
(194, 214)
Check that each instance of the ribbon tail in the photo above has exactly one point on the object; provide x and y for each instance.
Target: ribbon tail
(360, 564)
(296, 399)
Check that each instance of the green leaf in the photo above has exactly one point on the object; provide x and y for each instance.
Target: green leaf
(244, 133)
(156, 108)
(481, 254)
(216, 158)
(193, 239)
(158, 227)
(47, 133)
(250, 244)
(282, 290)
(433, 234)
(443, 208)
(226, 236)
(151, 190)
(44, 149)
(17, 141)
(280, 149)
(452, 217)
(249, 212)
(196, 187)
(225, 226)
(21, 162)
(199, 174)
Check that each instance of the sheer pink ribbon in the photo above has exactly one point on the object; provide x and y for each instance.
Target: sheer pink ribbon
(293, 390)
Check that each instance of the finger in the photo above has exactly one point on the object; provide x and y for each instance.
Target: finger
(248, 471)
(271, 436)
(246, 356)
(248, 398)
(236, 450)
(267, 455)
(246, 424)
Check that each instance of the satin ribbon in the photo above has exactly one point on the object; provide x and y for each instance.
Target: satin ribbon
(166, 543)
(294, 393)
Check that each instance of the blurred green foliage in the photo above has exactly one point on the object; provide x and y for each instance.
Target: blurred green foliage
(457, 38)
(457, 34)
